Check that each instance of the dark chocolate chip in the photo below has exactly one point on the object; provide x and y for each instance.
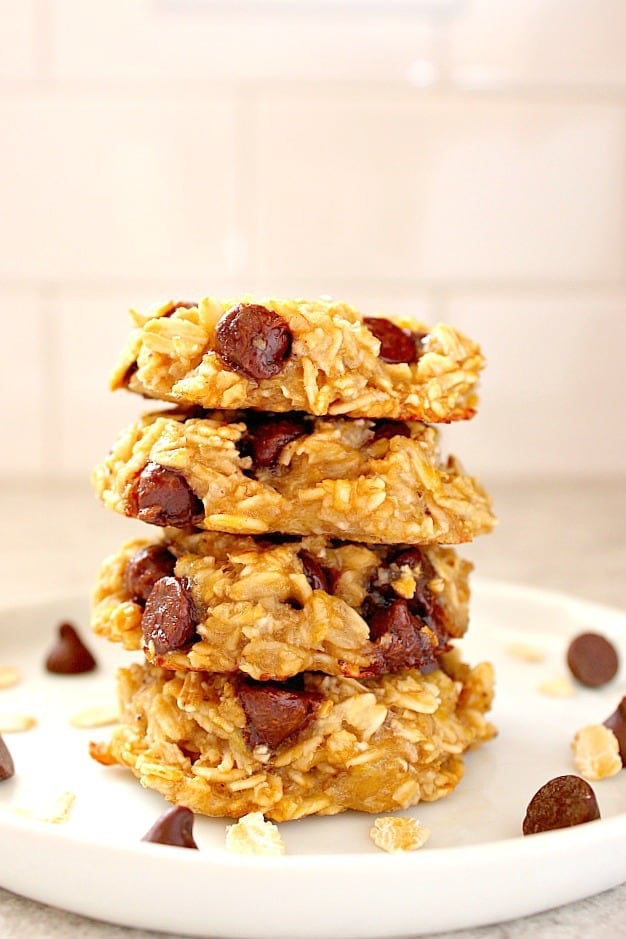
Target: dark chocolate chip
(253, 341)
(387, 429)
(275, 712)
(316, 575)
(562, 802)
(617, 723)
(169, 619)
(7, 769)
(145, 567)
(69, 656)
(396, 345)
(174, 827)
(162, 496)
(592, 659)
(266, 441)
(403, 640)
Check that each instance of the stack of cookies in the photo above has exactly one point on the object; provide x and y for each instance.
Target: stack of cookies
(298, 606)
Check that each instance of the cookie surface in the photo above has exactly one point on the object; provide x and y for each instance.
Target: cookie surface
(249, 473)
(317, 356)
(271, 609)
(225, 748)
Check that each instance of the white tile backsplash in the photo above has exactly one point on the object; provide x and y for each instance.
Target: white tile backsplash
(17, 38)
(440, 188)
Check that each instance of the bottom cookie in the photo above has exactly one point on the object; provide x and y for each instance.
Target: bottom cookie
(226, 746)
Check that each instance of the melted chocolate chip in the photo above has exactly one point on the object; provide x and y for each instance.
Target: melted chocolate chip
(402, 640)
(562, 802)
(7, 769)
(144, 569)
(387, 429)
(174, 827)
(395, 344)
(266, 440)
(617, 723)
(162, 496)
(592, 659)
(253, 341)
(274, 712)
(169, 619)
(317, 576)
(69, 656)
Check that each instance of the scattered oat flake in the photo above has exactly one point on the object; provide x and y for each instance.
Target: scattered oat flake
(596, 752)
(53, 814)
(252, 835)
(95, 717)
(16, 723)
(9, 676)
(393, 834)
(525, 652)
(560, 687)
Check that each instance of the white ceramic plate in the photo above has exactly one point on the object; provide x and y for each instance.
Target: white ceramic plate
(475, 869)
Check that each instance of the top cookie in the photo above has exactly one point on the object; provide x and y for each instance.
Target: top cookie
(322, 357)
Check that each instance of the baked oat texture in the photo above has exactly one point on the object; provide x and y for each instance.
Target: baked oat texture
(374, 746)
(259, 613)
(334, 366)
(337, 478)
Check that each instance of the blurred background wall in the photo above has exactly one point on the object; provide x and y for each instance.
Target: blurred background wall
(458, 161)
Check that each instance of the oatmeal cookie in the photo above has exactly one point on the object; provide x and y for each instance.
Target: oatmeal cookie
(273, 608)
(227, 746)
(250, 472)
(318, 356)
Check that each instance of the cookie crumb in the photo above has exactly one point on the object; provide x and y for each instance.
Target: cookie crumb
(525, 652)
(560, 687)
(393, 834)
(596, 752)
(16, 723)
(252, 835)
(95, 717)
(9, 676)
(53, 814)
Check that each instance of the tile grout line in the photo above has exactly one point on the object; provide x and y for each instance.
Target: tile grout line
(51, 399)
(43, 53)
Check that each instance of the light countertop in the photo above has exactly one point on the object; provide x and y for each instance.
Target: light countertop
(565, 535)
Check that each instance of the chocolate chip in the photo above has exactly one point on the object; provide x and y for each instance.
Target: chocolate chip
(143, 570)
(266, 440)
(174, 827)
(274, 712)
(386, 429)
(253, 341)
(562, 802)
(396, 345)
(592, 659)
(617, 723)
(316, 575)
(69, 656)
(403, 640)
(169, 619)
(7, 769)
(162, 496)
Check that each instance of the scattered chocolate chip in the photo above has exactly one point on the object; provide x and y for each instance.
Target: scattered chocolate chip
(253, 341)
(275, 712)
(387, 429)
(316, 575)
(143, 570)
(169, 619)
(7, 769)
(162, 496)
(174, 827)
(617, 723)
(266, 440)
(396, 345)
(403, 640)
(69, 656)
(592, 659)
(562, 802)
